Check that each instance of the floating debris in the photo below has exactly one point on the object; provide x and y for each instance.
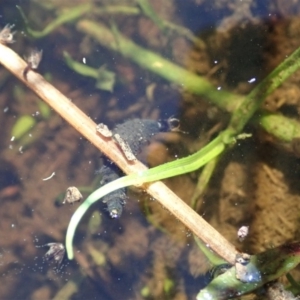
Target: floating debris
(242, 233)
(125, 147)
(6, 35)
(103, 130)
(72, 195)
(47, 178)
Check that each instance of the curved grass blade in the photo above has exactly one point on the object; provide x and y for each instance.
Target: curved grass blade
(178, 167)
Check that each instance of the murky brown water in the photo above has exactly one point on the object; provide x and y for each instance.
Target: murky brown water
(147, 253)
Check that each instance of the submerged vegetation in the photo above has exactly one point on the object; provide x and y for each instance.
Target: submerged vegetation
(235, 119)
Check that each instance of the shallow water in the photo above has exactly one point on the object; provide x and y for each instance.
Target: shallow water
(146, 253)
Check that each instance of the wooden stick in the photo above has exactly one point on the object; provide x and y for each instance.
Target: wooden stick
(83, 124)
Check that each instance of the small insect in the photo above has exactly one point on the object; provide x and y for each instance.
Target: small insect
(56, 253)
(72, 195)
(6, 35)
(103, 130)
(242, 233)
(33, 61)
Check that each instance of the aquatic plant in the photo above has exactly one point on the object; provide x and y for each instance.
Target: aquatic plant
(242, 109)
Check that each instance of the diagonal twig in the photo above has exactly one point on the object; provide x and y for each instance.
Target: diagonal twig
(85, 126)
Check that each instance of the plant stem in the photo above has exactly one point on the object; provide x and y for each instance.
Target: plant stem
(200, 86)
(160, 66)
(283, 128)
(67, 17)
(203, 181)
(254, 99)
